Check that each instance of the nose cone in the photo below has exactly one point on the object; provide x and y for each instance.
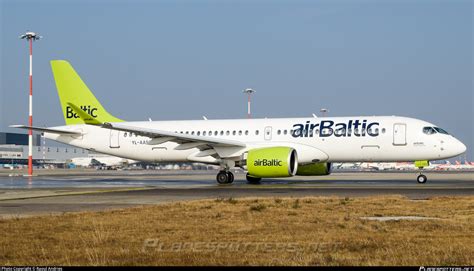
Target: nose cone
(458, 147)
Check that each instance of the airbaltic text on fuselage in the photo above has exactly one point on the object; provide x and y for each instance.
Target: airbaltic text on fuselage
(328, 128)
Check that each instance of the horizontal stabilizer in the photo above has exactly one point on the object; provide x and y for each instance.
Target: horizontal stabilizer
(47, 130)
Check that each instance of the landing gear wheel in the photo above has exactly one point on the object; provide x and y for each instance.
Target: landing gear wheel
(253, 180)
(222, 177)
(421, 178)
(230, 175)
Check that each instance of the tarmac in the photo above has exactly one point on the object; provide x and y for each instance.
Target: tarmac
(58, 193)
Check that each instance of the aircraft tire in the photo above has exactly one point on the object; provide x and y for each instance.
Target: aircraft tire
(253, 180)
(230, 175)
(421, 178)
(222, 177)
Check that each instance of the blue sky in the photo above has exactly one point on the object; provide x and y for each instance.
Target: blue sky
(184, 59)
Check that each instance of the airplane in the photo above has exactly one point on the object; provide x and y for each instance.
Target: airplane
(265, 148)
(106, 160)
(446, 166)
(464, 166)
(346, 165)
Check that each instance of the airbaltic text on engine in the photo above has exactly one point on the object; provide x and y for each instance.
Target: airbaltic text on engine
(328, 128)
(268, 163)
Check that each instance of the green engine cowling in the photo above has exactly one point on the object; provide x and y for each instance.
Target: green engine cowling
(272, 162)
(314, 169)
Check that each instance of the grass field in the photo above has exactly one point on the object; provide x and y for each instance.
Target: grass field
(269, 231)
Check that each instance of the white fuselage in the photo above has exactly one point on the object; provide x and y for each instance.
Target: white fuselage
(347, 139)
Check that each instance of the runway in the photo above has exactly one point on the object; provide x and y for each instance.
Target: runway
(53, 194)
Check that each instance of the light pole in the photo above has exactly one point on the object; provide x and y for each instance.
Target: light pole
(323, 112)
(30, 37)
(249, 92)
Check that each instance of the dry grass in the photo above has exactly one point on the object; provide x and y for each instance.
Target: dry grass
(271, 231)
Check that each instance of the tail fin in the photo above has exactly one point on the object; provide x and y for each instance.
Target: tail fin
(74, 96)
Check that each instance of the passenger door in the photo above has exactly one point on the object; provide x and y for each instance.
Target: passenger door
(399, 134)
(114, 139)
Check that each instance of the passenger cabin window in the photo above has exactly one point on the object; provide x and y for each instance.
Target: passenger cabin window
(429, 130)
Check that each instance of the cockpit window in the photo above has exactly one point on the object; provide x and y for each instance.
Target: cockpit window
(429, 130)
(441, 131)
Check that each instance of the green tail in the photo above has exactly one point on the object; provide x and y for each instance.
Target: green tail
(77, 101)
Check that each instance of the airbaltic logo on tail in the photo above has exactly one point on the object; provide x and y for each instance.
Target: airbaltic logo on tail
(87, 108)
(328, 128)
(268, 163)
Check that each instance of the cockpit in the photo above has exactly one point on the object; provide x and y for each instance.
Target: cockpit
(434, 130)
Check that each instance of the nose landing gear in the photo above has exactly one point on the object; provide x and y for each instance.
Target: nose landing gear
(421, 178)
(420, 165)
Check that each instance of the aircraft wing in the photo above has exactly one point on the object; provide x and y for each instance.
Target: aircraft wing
(47, 130)
(186, 141)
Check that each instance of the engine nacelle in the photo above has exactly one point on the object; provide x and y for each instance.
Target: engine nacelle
(272, 162)
(314, 169)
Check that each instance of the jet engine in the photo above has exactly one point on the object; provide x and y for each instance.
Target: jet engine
(314, 169)
(272, 162)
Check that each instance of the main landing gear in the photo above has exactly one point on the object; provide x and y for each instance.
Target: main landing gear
(225, 177)
(253, 180)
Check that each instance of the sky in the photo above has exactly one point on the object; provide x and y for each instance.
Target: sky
(170, 60)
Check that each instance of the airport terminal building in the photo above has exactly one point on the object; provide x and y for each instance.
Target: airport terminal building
(14, 150)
